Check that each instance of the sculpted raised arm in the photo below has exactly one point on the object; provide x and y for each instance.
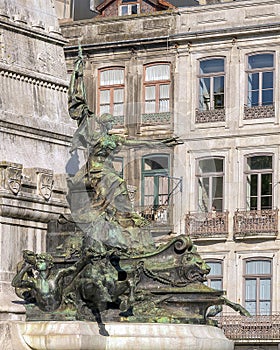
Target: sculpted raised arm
(19, 281)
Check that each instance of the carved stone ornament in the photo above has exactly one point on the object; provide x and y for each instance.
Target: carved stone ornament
(45, 185)
(13, 179)
(131, 192)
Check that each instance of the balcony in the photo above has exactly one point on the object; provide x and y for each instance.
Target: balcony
(210, 116)
(207, 225)
(155, 215)
(256, 223)
(259, 327)
(259, 112)
(118, 121)
(156, 118)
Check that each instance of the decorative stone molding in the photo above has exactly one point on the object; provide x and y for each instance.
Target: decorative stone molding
(45, 183)
(259, 112)
(32, 80)
(10, 176)
(29, 193)
(132, 193)
(156, 118)
(211, 116)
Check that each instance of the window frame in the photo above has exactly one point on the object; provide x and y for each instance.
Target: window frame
(111, 89)
(210, 175)
(210, 278)
(260, 71)
(258, 277)
(211, 76)
(157, 84)
(119, 160)
(257, 172)
(129, 5)
(152, 173)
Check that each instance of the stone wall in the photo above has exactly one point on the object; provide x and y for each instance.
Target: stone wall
(29, 199)
(35, 126)
(35, 134)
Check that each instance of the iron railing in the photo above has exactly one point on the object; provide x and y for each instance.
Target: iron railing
(205, 225)
(156, 215)
(156, 118)
(256, 223)
(259, 112)
(210, 116)
(262, 327)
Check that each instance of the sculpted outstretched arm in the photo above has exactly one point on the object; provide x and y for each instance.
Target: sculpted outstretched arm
(169, 142)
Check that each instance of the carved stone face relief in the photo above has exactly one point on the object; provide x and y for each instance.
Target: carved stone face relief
(45, 185)
(14, 176)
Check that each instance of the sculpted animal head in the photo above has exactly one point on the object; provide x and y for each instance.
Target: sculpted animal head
(193, 267)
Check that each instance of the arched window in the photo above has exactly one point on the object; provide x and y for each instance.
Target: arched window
(211, 83)
(157, 88)
(155, 180)
(210, 183)
(257, 281)
(259, 182)
(111, 91)
(260, 71)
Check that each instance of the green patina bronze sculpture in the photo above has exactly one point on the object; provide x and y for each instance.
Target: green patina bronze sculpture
(112, 270)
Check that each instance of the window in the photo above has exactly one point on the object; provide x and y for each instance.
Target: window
(111, 91)
(258, 286)
(210, 175)
(259, 182)
(215, 277)
(129, 7)
(260, 79)
(155, 180)
(157, 88)
(118, 165)
(211, 84)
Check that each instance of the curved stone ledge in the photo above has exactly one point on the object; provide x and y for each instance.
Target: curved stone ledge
(133, 336)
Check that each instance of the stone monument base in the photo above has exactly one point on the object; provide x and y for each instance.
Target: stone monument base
(56, 335)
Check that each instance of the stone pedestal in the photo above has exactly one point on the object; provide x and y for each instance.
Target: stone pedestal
(130, 336)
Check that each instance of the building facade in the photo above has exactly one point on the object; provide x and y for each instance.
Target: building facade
(208, 73)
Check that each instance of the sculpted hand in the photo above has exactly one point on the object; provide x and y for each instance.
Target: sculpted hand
(173, 141)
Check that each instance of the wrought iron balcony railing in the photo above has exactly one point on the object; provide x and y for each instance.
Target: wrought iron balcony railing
(259, 223)
(156, 215)
(205, 225)
(156, 118)
(259, 112)
(210, 116)
(262, 327)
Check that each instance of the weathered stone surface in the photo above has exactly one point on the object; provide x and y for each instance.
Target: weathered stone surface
(86, 336)
(29, 198)
(35, 127)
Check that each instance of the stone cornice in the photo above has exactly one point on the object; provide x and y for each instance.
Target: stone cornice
(228, 32)
(32, 77)
(52, 36)
(29, 208)
(226, 6)
(51, 136)
(184, 37)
